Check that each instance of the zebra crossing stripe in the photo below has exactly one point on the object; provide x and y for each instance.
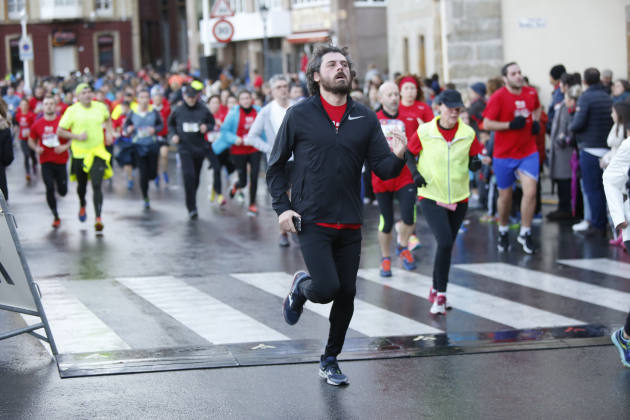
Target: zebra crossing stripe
(75, 328)
(368, 319)
(601, 265)
(550, 283)
(208, 317)
(497, 309)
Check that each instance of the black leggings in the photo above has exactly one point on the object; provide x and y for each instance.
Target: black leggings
(406, 201)
(29, 154)
(240, 162)
(3, 182)
(191, 170)
(332, 259)
(54, 174)
(444, 224)
(218, 162)
(97, 171)
(147, 166)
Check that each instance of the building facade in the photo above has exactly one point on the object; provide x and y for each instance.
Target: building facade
(70, 35)
(466, 41)
(294, 28)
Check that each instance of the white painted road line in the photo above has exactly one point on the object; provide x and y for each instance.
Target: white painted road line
(74, 327)
(601, 265)
(497, 309)
(208, 317)
(550, 283)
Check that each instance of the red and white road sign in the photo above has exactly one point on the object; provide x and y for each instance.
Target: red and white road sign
(221, 9)
(223, 30)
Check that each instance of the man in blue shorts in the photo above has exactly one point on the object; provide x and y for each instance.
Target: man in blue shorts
(513, 112)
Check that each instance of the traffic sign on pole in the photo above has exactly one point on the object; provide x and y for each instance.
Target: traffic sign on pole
(223, 30)
(26, 48)
(221, 9)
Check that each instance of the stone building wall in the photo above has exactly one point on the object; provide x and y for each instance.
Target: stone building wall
(474, 40)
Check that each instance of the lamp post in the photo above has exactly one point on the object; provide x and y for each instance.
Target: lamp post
(264, 11)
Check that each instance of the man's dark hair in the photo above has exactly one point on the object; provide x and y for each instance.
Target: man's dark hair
(315, 64)
(557, 71)
(591, 76)
(504, 69)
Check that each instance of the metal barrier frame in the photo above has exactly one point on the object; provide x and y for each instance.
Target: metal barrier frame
(35, 292)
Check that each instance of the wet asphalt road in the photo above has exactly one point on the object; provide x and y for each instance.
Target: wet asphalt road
(569, 383)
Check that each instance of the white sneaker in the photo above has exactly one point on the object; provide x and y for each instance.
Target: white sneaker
(580, 227)
(439, 305)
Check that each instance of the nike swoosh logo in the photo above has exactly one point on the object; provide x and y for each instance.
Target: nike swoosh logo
(350, 117)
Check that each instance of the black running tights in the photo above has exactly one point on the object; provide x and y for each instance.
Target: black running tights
(332, 259)
(444, 224)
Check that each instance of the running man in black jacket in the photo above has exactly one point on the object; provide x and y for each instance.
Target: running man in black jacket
(330, 137)
(188, 125)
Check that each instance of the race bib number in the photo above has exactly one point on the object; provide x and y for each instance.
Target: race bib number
(389, 126)
(144, 132)
(50, 140)
(190, 127)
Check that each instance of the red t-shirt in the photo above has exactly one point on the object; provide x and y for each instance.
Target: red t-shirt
(379, 185)
(44, 132)
(410, 114)
(504, 106)
(335, 113)
(61, 108)
(25, 121)
(164, 111)
(245, 122)
(34, 102)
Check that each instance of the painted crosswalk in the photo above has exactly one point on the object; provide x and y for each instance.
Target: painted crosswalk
(551, 283)
(76, 329)
(203, 315)
(368, 319)
(211, 319)
(484, 305)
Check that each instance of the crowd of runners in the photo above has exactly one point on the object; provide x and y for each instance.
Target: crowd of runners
(487, 151)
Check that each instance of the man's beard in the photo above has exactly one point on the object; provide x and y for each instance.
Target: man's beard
(335, 86)
(514, 85)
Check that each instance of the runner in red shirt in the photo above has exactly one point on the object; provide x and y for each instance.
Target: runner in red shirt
(24, 119)
(402, 187)
(238, 121)
(161, 104)
(513, 112)
(36, 101)
(412, 111)
(53, 155)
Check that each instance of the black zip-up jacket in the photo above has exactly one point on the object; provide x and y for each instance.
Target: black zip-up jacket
(185, 122)
(326, 178)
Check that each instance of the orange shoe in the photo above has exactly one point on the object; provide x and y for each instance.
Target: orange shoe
(82, 214)
(252, 210)
(98, 225)
(28, 177)
(56, 223)
(386, 267)
(407, 259)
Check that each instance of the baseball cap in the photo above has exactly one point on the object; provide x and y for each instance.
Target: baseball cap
(195, 87)
(451, 98)
(80, 87)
